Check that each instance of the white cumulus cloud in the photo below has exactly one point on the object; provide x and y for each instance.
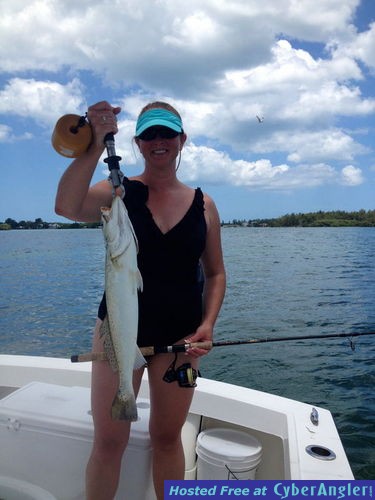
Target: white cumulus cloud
(43, 101)
(351, 176)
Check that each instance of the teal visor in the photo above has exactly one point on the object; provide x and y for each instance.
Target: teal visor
(158, 116)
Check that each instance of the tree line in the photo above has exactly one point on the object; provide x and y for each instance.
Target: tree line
(41, 224)
(336, 218)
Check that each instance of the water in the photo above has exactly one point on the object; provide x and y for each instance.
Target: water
(281, 282)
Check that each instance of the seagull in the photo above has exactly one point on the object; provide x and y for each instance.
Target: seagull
(260, 118)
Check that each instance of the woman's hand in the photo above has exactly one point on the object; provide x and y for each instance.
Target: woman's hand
(204, 333)
(103, 120)
(75, 198)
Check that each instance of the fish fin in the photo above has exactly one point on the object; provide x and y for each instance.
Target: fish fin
(139, 361)
(134, 236)
(124, 409)
(139, 281)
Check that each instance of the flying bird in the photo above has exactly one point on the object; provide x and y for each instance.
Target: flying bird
(260, 119)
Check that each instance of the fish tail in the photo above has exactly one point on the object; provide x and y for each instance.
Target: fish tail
(124, 409)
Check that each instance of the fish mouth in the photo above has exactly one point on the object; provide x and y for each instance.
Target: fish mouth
(106, 213)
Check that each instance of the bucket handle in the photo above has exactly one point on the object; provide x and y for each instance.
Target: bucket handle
(231, 473)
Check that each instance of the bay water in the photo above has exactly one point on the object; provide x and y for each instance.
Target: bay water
(281, 282)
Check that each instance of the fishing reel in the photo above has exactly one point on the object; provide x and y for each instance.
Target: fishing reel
(185, 375)
(72, 135)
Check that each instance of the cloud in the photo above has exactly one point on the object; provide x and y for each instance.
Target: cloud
(7, 135)
(351, 176)
(43, 101)
(360, 47)
(207, 165)
(143, 42)
(299, 96)
(146, 41)
(363, 47)
(314, 20)
(220, 63)
(295, 86)
(303, 146)
(212, 51)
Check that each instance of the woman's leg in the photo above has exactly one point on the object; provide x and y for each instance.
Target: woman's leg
(170, 404)
(110, 436)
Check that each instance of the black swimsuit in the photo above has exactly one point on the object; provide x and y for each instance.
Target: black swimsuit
(170, 306)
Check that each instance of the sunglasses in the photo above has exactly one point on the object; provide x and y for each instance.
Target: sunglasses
(161, 132)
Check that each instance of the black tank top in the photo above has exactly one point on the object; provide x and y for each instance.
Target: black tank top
(170, 306)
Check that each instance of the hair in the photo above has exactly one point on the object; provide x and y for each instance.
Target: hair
(160, 104)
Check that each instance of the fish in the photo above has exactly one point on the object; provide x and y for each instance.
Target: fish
(122, 282)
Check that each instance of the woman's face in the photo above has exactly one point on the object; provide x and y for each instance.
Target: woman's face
(159, 147)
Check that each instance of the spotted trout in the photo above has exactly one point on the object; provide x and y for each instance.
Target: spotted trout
(122, 282)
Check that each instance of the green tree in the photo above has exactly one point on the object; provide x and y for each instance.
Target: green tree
(12, 223)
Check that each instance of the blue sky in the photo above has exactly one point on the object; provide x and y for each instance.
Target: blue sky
(307, 67)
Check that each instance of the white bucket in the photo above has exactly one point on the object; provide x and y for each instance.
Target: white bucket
(227, 454)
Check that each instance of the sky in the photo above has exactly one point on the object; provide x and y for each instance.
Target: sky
(305, 67)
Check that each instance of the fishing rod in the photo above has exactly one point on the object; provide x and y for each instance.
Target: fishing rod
(152, 350)
(115, 174)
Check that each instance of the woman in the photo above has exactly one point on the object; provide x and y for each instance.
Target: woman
(178, 231)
